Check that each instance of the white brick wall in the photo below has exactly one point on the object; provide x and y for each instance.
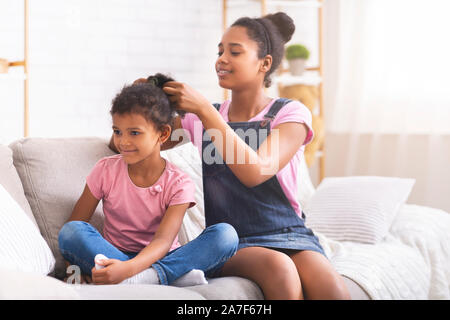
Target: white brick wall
(83, 51)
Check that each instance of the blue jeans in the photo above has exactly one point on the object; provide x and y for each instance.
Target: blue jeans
(80, 242)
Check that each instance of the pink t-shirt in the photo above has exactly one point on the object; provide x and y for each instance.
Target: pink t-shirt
(132, 213)
(294, 111)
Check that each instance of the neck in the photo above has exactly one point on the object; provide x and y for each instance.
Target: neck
(149, 168)
(246, 104)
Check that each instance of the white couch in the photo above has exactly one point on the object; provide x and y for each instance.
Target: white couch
(46, 176)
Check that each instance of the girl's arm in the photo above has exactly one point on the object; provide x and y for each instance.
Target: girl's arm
(85, 206)
(259, 166)
(116, 271)
(83, 211)
(272, 155)
(163, 239)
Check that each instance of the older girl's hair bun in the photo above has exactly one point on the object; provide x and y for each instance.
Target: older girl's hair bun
(283, 23)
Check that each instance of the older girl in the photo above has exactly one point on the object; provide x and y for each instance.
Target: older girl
(257, 196)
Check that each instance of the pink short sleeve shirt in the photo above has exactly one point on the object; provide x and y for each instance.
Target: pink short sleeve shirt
(292, 112)
(133, 214)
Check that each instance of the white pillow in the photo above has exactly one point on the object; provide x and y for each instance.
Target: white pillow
(358, 209)
(186, 158)
(22, 248)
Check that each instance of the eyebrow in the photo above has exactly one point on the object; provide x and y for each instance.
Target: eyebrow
(114, 127)
(231, 44)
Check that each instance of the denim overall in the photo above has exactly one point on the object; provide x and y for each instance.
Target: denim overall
(262, 215)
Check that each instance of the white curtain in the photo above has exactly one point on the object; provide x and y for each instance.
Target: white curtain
(387, 92)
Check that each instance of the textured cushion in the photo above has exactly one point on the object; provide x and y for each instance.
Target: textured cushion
(53, 174)
(10, 180)
(22, 246)
(359, 208)
(186, 158)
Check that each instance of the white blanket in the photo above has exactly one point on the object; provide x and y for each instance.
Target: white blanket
(412, 262)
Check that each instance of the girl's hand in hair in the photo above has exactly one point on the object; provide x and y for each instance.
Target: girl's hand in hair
(185, 97)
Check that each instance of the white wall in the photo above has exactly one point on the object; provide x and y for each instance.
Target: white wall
(404, 156)
(83, 52)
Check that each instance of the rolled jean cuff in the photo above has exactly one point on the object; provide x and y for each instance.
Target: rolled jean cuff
(161, 274)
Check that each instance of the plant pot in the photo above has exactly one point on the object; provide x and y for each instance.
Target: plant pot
(296, 66)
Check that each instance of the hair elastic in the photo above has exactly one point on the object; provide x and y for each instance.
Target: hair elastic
(153, 80)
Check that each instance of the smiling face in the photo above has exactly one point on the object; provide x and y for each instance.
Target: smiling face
(238, 65)
(136, 138)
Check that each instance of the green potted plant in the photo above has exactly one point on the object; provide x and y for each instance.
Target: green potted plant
(296, 55)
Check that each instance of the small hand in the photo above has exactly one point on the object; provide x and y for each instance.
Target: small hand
(115, 271)
(185, 97)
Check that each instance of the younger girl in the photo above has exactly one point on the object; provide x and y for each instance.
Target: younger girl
(257, 196)
(144, 199)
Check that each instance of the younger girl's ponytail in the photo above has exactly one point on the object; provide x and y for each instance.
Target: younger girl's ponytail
(159, 80)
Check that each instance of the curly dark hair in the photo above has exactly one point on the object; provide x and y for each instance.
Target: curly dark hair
(270, 32)
(149, 100)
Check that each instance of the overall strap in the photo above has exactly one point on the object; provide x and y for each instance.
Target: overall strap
(270, 115)
(277, 105)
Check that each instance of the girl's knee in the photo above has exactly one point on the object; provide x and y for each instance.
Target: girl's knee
(338, 288)
(330, 287)
(283, 281)
(69, 232)
(225, 237)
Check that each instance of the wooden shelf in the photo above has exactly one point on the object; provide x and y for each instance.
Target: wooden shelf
(20, 76)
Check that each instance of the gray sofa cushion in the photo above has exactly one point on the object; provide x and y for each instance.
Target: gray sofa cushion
(135, 292)
(53, 173)
(229, 288)
(10, 180)
(31, 286)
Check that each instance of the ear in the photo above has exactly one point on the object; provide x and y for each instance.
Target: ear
(165, 133)
(266, 63)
